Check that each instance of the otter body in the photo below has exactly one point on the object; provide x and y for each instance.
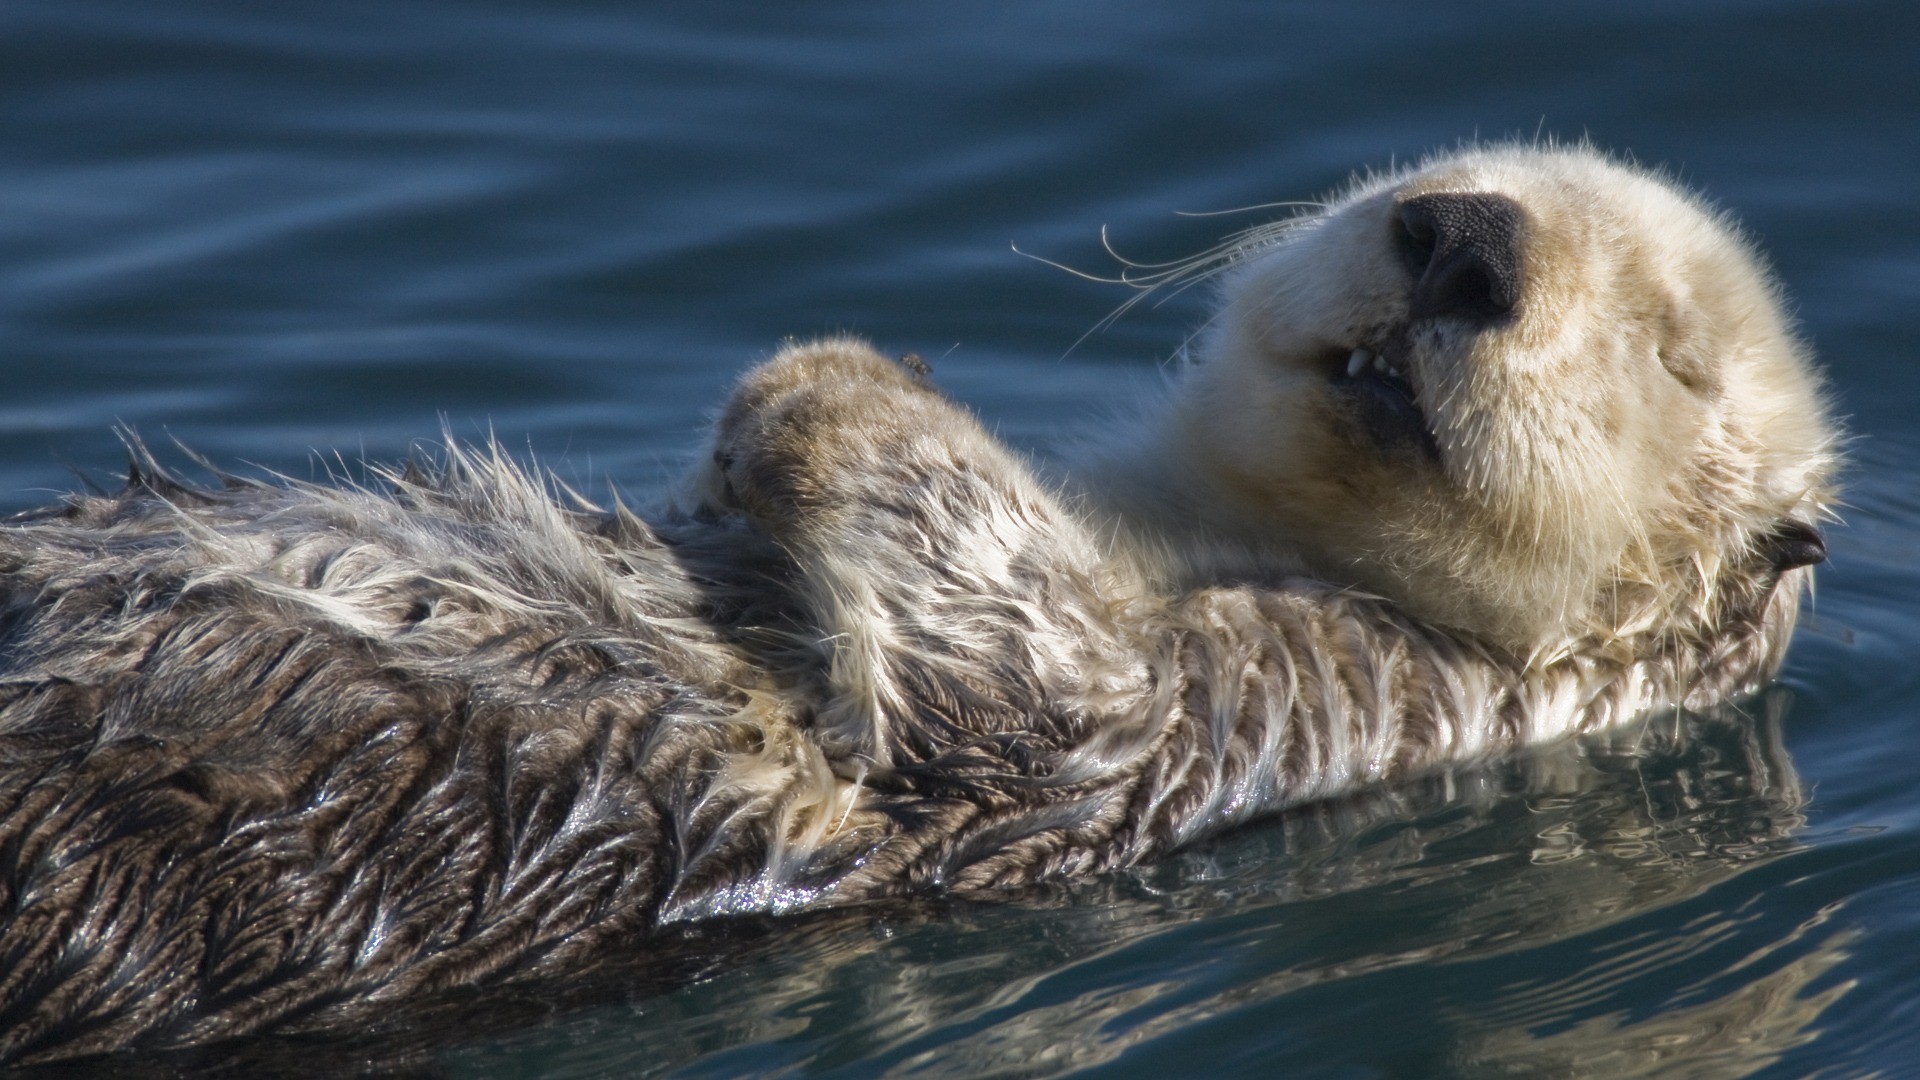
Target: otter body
(1508, 447)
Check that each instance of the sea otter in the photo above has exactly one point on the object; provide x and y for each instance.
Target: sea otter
(1508, 446)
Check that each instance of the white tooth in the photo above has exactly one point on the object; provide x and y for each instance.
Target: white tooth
(1358, 362)
(1380, 365)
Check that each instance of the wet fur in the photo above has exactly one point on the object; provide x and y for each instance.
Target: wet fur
(272, 752)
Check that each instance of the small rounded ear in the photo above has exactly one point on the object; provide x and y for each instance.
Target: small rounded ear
(915, 366)
(1681, 351)
(1793, 543)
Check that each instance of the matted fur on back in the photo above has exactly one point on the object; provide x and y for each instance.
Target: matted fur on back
(266, 748)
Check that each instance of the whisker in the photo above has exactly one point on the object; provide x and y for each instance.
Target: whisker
(1081, 274)
(1173, 277)
(1285, 204)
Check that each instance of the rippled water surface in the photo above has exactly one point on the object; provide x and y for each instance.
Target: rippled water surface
(278, 232)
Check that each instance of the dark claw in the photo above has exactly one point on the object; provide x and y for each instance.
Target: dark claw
(1794, 543)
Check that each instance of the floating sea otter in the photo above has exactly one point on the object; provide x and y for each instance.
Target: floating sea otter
(1507, 447)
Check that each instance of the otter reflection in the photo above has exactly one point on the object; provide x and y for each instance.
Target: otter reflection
(1395, 887)
(1392, 886)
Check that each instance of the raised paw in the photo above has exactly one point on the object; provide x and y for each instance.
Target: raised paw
(812, 426)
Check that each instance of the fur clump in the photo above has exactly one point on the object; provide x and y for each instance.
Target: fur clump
(265, 749)
(277, 753)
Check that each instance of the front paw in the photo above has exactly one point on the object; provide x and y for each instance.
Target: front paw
(802, 429)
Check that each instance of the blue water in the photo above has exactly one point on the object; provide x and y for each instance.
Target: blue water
(279, 232)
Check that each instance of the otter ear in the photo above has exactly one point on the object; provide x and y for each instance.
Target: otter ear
(1682, 351)
(1793, 543)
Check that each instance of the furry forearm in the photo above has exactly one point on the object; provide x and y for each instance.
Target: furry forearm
(979, 656)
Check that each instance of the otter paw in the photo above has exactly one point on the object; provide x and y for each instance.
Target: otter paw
(800, 430)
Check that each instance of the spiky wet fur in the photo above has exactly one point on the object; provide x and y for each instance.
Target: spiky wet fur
(278, 752)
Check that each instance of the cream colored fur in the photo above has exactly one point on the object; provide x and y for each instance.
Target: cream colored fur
(1645, 416)
(1615, 463)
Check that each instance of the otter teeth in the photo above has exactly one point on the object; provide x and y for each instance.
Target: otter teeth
(1362, 359)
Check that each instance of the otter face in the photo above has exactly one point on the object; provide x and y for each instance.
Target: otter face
(1527, 393)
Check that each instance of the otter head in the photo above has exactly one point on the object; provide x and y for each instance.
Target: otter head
(1531, 394)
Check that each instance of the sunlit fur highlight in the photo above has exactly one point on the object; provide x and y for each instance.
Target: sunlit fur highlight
(1647, 416)
(275, 753)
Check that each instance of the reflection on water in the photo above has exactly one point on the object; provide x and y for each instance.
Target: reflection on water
(1740, 1032)
(1557, 877)
(1386, 895)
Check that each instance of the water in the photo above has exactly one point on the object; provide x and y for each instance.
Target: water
(277, 232)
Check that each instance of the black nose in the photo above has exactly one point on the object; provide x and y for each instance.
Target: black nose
(1464, 251)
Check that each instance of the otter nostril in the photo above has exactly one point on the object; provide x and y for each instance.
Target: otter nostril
(1464, 250)
(1461, 285)
(1416, 237)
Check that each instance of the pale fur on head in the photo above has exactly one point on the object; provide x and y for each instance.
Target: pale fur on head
(1643, 417)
